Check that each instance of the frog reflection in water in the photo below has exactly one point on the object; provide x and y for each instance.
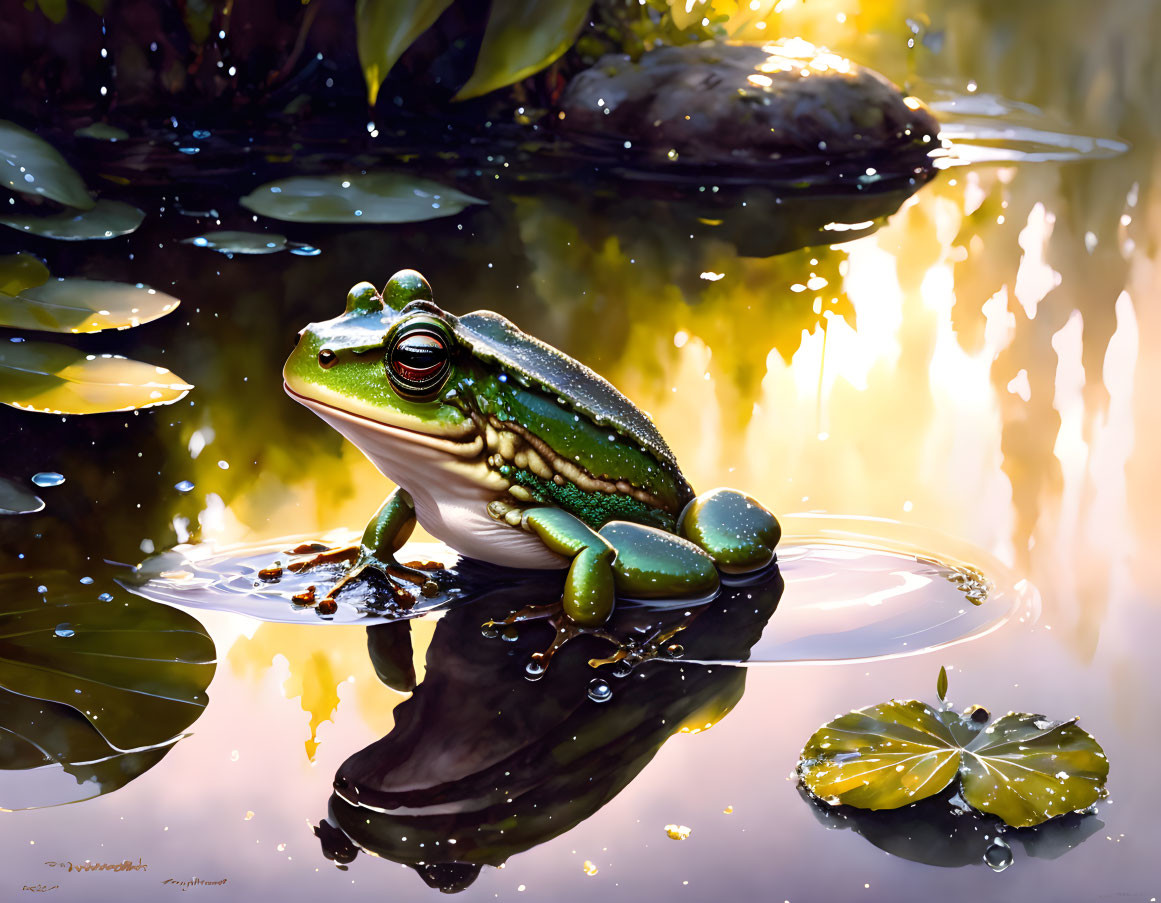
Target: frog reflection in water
(482, 764)
(511, 452)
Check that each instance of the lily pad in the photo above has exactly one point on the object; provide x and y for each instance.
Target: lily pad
(521, 38)
(21, 271)
(373, 197)
(107, 219)
(228, 242)
(1022, 768)
(386, 28)
(30, 165)
(83, 305)
(56, 379)
(98, 687)
(15, 499)
(102, 131)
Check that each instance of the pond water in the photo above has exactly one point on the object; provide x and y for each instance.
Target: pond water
(968, 385)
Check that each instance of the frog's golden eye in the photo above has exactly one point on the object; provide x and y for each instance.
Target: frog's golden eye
(418, 362)
(327, 358)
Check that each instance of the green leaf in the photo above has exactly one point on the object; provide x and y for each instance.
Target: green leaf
(228, 242)
(941, 684)
(83, 305)
(101, 689)
(386, 28)
(30, 165)
(15, 499)
(1023, 768)
(522, 37)
(21, 271)
(375, 197)
(107, 219)
(56, 379)
(881, 757)
(1027, 769)
(102, 131)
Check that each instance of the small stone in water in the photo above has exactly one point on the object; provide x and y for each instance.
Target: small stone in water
(306, 597)
(64, 630)
(327, 607)
(599, 691)
(48, 478)
(184, 486)
(998, 855)
(271, 574)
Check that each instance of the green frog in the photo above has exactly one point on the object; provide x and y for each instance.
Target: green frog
(512, 452)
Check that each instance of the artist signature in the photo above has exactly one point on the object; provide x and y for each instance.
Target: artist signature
(89, 866)
(40, 888)
(187, 883)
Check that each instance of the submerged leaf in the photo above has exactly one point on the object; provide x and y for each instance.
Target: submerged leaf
(374, 197)
(1023, 768)
(56, 379)
(30, 165)
(229, 242)
(102, 131)
(97, 687)
(881, 757)
(83, 305)
(1027, 769)
(386, 28)
(522, 37)
(107, 219)
(15, 499)
(21, 271)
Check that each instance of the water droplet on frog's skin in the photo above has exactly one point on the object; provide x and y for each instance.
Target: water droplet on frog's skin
(599, 691)
(48, 478)
(998, 855)
(184, 486)
(64, 630)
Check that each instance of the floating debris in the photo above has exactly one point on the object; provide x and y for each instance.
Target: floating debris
(678, 832)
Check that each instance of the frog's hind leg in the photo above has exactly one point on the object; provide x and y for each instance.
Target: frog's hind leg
(734, 529)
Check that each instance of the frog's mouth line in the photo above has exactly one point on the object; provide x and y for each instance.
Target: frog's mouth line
(469, 448)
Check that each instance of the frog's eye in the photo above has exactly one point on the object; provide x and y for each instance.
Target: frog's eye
(418, 362)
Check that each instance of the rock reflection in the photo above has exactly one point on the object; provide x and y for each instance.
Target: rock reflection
(483, 763)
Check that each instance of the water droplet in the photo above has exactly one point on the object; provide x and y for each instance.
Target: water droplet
(534, 670)
(87, 581)
(184, 486)
(509, 634)
(599, 691)
(489, 630)
(48, 478)
(64, 630)
(305, 250)
(675, 650)
(105, 597)
(998, 855)
(201, 133)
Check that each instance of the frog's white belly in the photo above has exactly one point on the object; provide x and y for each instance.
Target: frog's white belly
(450, 496)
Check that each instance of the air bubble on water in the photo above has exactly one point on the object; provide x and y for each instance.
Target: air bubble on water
(998, 855)
(64, 630)
(599, 690)
(184, 486)
(48, 478)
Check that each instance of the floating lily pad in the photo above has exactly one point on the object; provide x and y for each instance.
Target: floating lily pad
(228, 242)
(84, 305)
(15, 499)
(102, 131)
(1022, 768)
(107, 219)
(30, 165)
(385, 29)
(55, 379)
(374, 197)
(21, 271)
(99, 687)
(522, 37)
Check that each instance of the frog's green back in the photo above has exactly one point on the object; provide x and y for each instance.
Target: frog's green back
(496, 339)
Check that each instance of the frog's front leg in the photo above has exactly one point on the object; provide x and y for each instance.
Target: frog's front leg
(589, 590)
(384, 535)
(733, 529)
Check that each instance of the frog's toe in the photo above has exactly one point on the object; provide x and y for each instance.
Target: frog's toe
(734, 529)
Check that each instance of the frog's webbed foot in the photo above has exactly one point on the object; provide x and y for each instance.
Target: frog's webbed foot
(564, 629)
